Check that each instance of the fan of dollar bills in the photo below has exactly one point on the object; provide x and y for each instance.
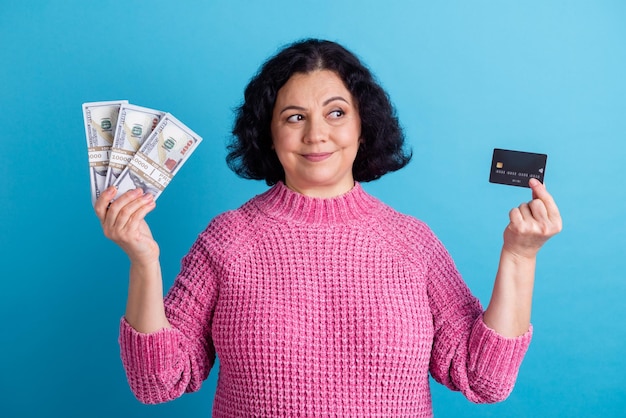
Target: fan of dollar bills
(132, 146)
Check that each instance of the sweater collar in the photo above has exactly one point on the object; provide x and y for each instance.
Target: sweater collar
(283, 203)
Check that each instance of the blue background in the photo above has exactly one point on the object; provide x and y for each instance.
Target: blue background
(465, 76)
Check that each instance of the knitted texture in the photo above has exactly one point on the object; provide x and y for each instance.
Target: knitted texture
(320, 307)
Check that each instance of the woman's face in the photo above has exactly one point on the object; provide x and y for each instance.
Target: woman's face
(316, 131)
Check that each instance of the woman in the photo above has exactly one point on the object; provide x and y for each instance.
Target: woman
(318, 298)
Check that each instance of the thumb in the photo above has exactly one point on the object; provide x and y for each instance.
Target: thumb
(538, 189)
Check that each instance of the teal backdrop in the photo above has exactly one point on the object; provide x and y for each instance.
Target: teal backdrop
(465, 77)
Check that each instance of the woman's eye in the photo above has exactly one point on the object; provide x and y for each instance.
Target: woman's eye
(336, 113)
(295, 118)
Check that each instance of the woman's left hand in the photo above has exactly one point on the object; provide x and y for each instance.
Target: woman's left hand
(533, 223)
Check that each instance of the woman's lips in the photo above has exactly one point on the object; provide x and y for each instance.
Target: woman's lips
(318, 156)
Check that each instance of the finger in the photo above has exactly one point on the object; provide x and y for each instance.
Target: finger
(114, 208)
(515, 216)
(534, 184)
(124, 212)
(525, 212)
(147, 207)
(538, 210)
(540, 192)
(103, 202)
(134, 212)
(126, 197)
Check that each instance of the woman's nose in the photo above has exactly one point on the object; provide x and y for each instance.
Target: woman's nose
(316, 131)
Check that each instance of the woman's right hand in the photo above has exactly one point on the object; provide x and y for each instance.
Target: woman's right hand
(123, 222)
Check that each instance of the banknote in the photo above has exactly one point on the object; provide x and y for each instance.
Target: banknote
(100, 122)
(160, 157)
(134, 124)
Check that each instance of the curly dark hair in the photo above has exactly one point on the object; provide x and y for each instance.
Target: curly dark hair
(382, 141)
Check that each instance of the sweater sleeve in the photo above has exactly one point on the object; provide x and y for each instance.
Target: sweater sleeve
(163, 365)
(466, 354)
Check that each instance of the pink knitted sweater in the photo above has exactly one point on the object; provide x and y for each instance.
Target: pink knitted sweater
(320, 307)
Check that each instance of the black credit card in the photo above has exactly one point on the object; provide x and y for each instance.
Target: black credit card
(516, 168)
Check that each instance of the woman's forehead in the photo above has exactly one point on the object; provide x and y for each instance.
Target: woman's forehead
(315, 85)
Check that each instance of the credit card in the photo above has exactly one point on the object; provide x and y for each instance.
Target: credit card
(516, 168)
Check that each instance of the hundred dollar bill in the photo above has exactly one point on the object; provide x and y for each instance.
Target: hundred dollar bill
(100, 122)
(134, 124)
(160, 157)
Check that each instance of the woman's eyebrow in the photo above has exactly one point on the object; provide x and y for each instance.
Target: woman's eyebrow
(332, 99)
(292, 107)
(326, 102)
